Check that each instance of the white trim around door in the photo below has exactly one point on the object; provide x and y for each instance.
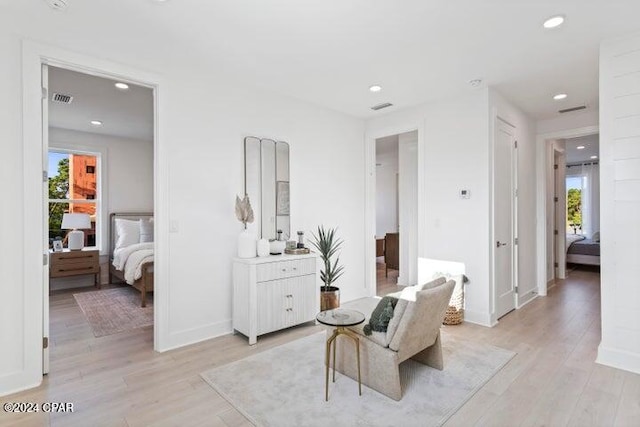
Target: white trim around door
(370, 197)
(541, 197)
(35, 253)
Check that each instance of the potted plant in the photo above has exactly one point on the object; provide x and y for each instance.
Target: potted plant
(328, 245)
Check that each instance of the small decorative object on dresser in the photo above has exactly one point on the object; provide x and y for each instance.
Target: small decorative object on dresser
(57, 245)
(273, 293)
(246, 240)
(263, 247)
(328, 246)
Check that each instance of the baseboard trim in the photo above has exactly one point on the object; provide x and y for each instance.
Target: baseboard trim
(620, 359)
(192, 336)
(478, 318)
(17, 382)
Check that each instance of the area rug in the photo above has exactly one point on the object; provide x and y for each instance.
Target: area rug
(111, 311)
(284, 386)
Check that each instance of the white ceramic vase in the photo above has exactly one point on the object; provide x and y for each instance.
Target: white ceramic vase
(263, 247)
(246, 245)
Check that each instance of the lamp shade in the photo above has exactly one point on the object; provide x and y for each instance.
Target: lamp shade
(75, 221)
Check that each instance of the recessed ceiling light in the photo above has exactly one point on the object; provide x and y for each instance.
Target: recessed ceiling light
(594, 157)
(580, 147)
(554, 22)
(560, 96)
(96, 122)
(122, 86)
(375, 88)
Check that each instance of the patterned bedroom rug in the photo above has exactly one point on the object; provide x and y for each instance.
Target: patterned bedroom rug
(111, 311)
(284, 386)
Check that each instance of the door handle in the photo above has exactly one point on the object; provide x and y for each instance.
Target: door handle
(498, 244)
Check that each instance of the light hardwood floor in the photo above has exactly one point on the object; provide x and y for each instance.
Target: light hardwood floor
(119, 381)
(386, 282)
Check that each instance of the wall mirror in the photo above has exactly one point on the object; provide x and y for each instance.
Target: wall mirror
(266, 181)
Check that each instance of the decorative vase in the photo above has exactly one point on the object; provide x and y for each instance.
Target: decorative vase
(246, 245)
(329, 298)
(263, 247)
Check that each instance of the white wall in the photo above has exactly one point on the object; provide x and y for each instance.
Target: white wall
(568, 121)
(204, 121)
(620, 201)
(454, 156)
(386, 193)
(128, 176)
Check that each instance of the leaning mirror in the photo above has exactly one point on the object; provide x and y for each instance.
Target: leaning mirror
(267, 184)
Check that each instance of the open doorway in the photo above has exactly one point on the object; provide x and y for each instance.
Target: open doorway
(396, 211)
(99, 208)
(571, 205)
(582, 186)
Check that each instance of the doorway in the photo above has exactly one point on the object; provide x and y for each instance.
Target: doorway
(396, 211)
(98, 136)
(553, 219)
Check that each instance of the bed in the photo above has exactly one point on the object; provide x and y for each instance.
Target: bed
(581, 250)
(131, 254)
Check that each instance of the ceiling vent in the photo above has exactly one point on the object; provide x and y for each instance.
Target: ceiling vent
(381, 106)
(568, 110)
(58, 4)
(61, 98)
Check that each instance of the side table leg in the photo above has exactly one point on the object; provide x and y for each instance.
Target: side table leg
(326, 370)
(335, 343)
(358, 356)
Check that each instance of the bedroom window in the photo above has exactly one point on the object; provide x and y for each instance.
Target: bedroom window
(73, 189)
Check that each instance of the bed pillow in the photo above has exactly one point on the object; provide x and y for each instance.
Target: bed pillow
(146, 230)
(128, 232)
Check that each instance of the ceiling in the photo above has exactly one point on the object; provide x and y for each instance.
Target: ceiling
(591, 146)
(123, 113)
(329, 52)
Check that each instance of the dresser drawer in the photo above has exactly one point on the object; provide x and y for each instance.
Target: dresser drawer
(284, 269)
(65, 264)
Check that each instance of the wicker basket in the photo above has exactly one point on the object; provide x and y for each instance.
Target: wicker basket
(455, 312)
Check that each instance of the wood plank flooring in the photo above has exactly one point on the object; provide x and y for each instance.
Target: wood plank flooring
(118, 380)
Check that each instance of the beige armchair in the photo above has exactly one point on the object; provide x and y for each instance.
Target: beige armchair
(414, 332)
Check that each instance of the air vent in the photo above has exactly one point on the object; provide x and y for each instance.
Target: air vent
(381, 106)
(61, 98)
(568, 110)
(57, 4)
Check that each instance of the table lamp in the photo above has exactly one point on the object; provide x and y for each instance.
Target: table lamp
(75, 222)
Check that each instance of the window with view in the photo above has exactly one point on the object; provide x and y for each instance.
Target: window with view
(73, 188)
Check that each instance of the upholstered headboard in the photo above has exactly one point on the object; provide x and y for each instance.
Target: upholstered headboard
(113, 232)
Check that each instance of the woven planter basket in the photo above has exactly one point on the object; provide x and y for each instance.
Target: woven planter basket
(455, 313)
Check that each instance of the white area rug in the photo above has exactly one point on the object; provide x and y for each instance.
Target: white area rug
(284, 386)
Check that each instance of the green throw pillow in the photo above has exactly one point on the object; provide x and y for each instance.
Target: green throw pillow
(381, 315)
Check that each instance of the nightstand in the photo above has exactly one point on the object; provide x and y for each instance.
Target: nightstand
(74, 263)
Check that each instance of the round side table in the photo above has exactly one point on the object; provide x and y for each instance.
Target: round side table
(341, 319)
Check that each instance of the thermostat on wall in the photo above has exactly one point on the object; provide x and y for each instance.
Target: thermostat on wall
(465, 194)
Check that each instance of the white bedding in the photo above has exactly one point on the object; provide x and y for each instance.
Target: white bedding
(130, 259)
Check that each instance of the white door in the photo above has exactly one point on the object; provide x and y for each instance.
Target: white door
(45, 201)
(504, 215)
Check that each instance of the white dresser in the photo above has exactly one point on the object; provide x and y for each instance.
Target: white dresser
(274, 292)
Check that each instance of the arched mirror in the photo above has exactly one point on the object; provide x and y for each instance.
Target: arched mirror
(266, 165)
